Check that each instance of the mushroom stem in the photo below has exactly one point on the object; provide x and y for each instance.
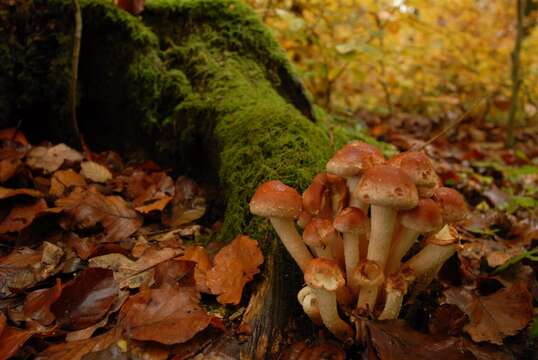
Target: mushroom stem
(354, 199)
(369, 276)
(383, 221)
(351, 253)
(286, 230)
(308, 301)
(337, 251)
(430, 259)
(403, 241)
(368, 297)
(329, 314)
(363, 247)
(396, 288)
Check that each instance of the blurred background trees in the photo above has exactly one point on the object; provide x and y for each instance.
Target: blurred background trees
(433, 59)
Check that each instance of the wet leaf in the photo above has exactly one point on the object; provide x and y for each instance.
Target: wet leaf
(88, 207)
(167, 315)
(37, 304)
(21, 216)
(95, 172)
(63, 180)
(495, 316)
(11, 340)
(86, 299)
(76, 350)
(50, 159)
(234, 266)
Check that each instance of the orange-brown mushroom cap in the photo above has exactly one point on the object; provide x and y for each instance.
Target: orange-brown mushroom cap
(452, 204)
(352, 220)
(418, 166)
(319, 233)
(353, 158)
(388, 186)
(324, 273)
(275, 199)
(425, 217)
(368, 273)
(326, 194)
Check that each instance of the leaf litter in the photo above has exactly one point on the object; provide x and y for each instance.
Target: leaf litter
(99, 257)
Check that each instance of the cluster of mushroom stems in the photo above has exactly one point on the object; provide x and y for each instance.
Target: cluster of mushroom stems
(360, 218)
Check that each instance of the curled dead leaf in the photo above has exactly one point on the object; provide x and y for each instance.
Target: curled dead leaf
(11, 341)
(22, 215)
(7, 193)
(234, 266)
(50, 159)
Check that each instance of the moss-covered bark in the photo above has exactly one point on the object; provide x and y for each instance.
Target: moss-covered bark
(197, 84)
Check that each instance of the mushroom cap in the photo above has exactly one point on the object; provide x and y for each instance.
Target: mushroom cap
(303, 219)
(319, 233)
(389, 186)
(368, 273)
(353, 158)
(324, 273)
(453, 206)
(274, 199)
(418, 166)
(425, 217)
(448, 235)
(352, 220)
(326, 194)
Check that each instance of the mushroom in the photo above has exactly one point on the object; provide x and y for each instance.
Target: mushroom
(395, 290)
(319, 235)
(425, 217)
(452, 203)
(303, 219)
(354, 225)
(282, 204)
(325, 278)
(308, 301)
(326, 195)
(420, 168)
(439, 248)
(350, 162)
(369, 276)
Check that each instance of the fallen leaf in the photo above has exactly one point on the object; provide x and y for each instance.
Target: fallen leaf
(95, 172)
(3, 321)
(7, 193)
(143, 188)
(86, 299)
(21, 216)
(37, 304)
(170, 272)
(394, 340)
(63, 180)
(13, 134)
(495, 316)
(9, 167)
(302, 350)
(198, 255)
(85, 333)
(188, 203)
(167, 315)
(156, 205)
(24, 267)
(88, 207)
(76, 350)
(11, 341)
(50, 159)
(234, 266)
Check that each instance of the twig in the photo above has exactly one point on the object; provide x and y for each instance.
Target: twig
(451, 126)
(74, 71)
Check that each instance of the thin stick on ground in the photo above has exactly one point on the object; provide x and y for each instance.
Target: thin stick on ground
(74, 71)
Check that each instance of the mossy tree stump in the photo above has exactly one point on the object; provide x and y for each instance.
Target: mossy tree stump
(199, 85)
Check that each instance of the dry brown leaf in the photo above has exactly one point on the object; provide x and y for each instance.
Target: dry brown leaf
(76, 350)
(234, 266)
(50, 159)
(11, 340)
(495, 316)
(8, 168)
(303, 351)
(95, 172)
(86, 299)
(3, 321)
(88, 207)
(13, 134)
(85, 333)
(37, 304)
(168, 315)
(63, 180)
(187, 205)
(170, 272)
(21, 216)
(198, 255)
(24, 267)
(156, 205)
(7, 193)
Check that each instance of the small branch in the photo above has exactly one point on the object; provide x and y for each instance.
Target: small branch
(74, 71)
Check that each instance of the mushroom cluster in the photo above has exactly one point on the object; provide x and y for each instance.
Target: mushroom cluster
(359, 220)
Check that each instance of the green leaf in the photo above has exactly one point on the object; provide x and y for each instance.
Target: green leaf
(530, 255)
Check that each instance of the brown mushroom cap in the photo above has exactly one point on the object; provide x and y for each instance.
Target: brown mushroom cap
(452, 203)
(326, 193)
(425, 217)
(353, 158)
(368, 273)
(418, 166)
(274, 199)
(324, 273)
(319, 233)
(352, 220)
(387, 186)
